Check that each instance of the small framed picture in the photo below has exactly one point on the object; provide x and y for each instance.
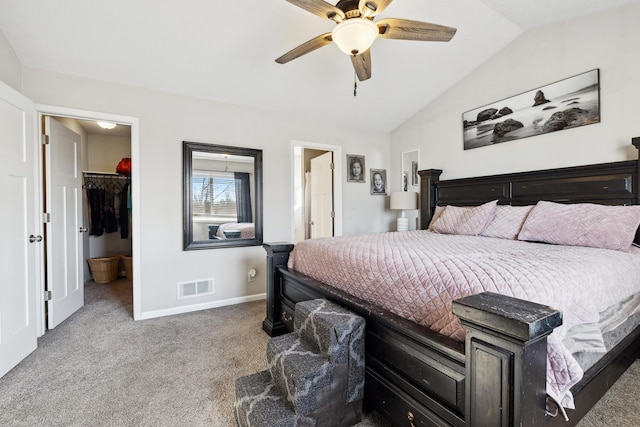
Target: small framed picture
(405, 181)
(379, 181)
(415, 179)
(355, 168)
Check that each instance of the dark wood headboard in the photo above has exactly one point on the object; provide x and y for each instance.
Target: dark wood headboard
(607, 183)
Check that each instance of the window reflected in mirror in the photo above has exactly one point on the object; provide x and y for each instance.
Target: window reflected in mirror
(222, 196)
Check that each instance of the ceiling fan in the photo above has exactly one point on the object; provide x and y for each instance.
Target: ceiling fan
(355, 31)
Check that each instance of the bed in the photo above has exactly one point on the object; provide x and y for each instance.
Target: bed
(498, 374)
(236, 230)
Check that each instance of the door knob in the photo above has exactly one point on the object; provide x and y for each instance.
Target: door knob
(33, 238)
(83, 229)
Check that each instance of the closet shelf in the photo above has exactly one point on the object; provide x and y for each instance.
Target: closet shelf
(96, 174)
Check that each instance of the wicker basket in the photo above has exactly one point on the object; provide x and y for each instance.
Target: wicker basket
(105, 269)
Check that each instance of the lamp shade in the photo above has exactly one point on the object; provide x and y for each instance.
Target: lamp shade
(404, 200)
(354, 36)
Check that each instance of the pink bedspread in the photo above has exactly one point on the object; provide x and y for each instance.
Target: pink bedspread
(418, 274)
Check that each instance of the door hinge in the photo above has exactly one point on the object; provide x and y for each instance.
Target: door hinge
(332, 166)
(48, 296)
(333, 214)
(46, 217)
(44, 139)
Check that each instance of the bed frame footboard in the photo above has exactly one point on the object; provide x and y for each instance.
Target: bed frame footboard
(506, 358)
(418, 377)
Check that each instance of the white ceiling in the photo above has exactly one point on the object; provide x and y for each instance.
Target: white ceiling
(92, 127)
(225, 50)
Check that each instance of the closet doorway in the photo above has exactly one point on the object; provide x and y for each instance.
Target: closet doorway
(90, 154)
(317, 191)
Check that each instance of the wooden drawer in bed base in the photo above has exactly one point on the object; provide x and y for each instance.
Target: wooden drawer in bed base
(287, 315)
(440, 380)
(400, 408)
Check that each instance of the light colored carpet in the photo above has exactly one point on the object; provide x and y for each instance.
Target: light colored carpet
(620, 406)
(101, 368)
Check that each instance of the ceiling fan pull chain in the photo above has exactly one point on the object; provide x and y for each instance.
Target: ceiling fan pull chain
(355, 85)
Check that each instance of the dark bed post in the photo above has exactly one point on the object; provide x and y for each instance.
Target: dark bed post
(428, 199)
(506, 359)
(636, 143)
(277, 256)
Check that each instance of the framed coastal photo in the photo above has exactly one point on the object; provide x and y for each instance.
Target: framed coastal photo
(378, 181)
(415, 179)
(355, 168)
(566, 104)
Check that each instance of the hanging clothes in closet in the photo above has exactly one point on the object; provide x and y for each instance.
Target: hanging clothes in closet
(124, 202)
(106, 197)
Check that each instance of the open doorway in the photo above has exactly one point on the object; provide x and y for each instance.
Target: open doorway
(88, 205)
(317, 191)
(106, 233)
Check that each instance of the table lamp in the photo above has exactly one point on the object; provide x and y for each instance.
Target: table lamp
(402, 201)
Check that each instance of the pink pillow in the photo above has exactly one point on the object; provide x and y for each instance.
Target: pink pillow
(436, 214)
(468, 221)
(507, 222)
(582, 224)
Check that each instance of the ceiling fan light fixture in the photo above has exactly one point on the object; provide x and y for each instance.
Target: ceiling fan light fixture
(106, 125)
(355, 36)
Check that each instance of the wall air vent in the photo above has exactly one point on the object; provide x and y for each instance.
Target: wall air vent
(196, 288)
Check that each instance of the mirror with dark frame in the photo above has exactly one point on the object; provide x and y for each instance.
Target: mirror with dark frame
(222, 196)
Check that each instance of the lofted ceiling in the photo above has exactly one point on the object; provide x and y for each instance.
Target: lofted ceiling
(226, 50)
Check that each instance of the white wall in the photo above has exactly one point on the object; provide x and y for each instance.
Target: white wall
(167, 120)
(105, 151)
(608, 41)
(10, 65)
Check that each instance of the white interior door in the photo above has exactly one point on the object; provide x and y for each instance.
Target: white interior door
(64, 230)
(322, 196)
(19, 230)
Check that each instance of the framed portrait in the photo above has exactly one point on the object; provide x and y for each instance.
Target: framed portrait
(378, 181)
(415, 179)
(355, 168)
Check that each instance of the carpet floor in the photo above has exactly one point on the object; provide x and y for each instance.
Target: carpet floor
(102, 368)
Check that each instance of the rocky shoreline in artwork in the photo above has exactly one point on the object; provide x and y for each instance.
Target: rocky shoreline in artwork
(559, 120)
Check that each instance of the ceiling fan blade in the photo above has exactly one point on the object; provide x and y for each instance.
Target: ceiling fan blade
(310, 46)
(405, 29)
(320, 8)
(362, 65)
(370, 8)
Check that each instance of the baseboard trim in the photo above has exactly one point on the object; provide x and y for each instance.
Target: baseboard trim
(197, 307)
